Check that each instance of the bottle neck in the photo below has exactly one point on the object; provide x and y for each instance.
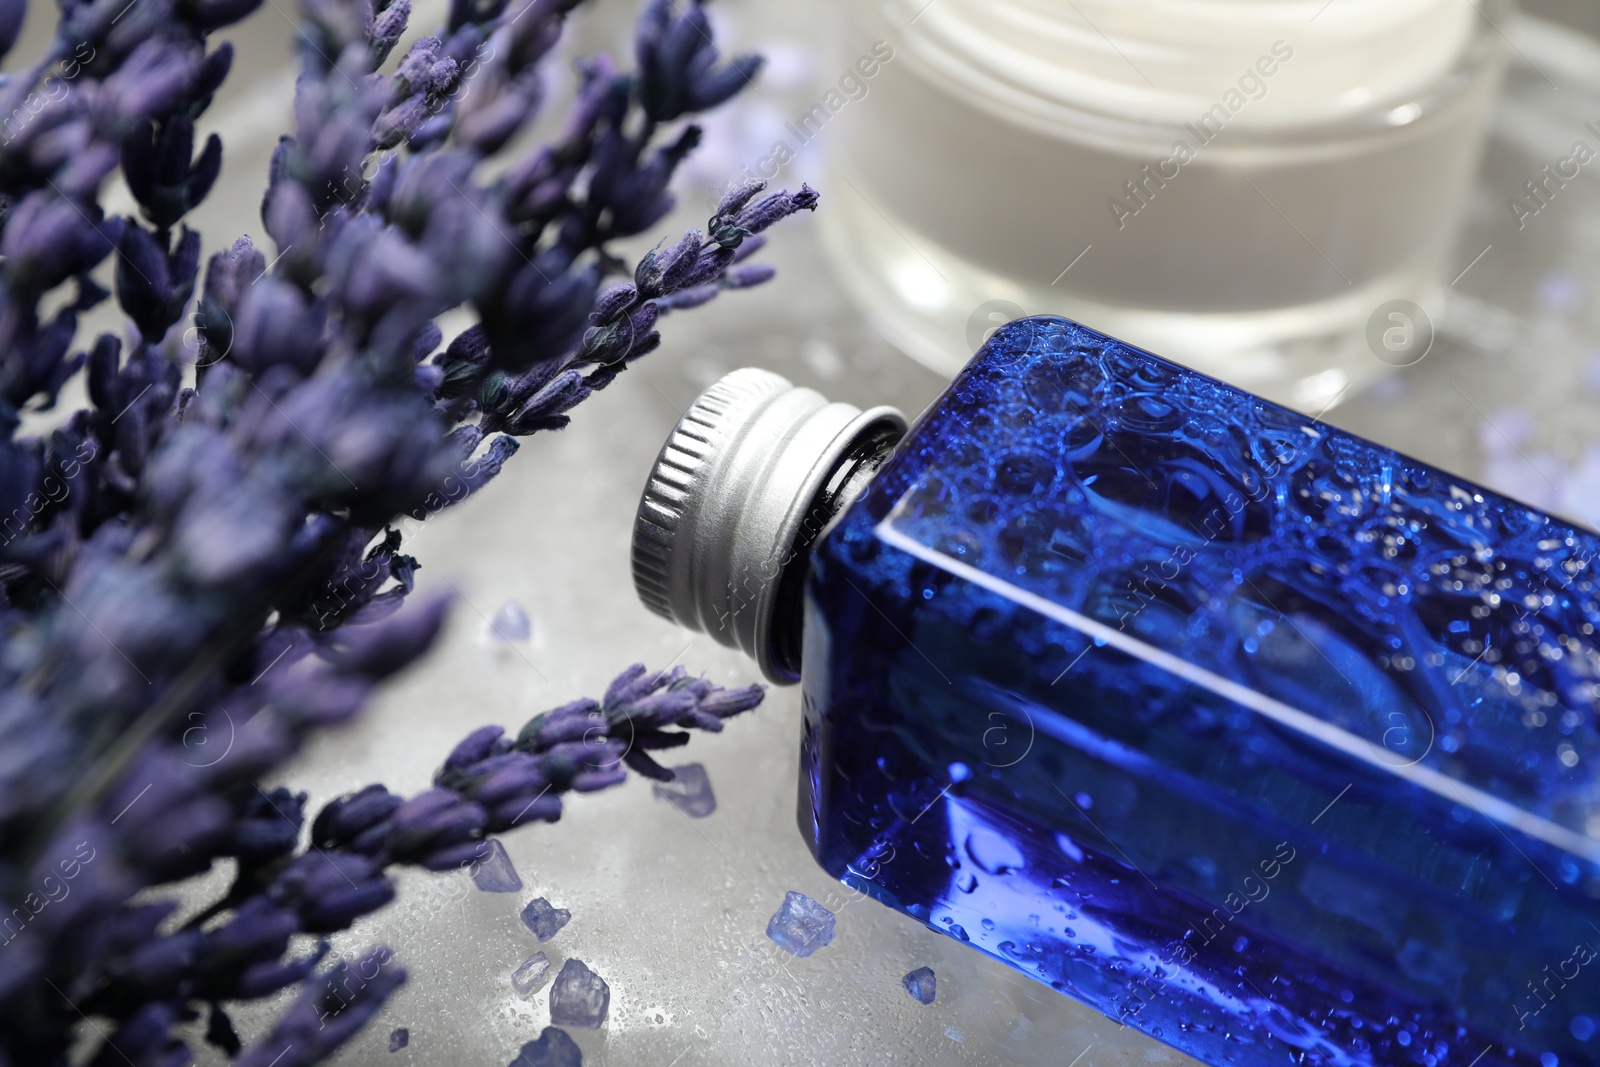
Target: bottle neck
(845, 483)
(751, 475)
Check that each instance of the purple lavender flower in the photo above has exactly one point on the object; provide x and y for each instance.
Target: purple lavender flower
(11, 15)
(333, 1007)
(678, 64)
(187, 562)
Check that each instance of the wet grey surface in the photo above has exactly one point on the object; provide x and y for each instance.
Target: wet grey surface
(671, 910)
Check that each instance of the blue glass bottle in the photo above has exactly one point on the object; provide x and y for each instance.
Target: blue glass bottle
(1266, 740)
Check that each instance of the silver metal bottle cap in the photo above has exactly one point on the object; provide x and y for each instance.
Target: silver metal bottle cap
(727, 498)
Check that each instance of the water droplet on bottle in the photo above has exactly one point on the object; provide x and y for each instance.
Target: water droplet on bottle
(993, 853)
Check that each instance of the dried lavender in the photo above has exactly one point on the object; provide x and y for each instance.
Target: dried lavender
(186, 555)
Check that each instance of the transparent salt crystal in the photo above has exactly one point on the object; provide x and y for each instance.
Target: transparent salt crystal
(689, 791)
(543, 919)
(527, 978)
(492, 872)
(801, 926)
(552, 1049)
(921, 984)
(579, 997)
(510, 623)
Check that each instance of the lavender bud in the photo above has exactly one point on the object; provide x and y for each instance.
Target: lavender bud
(707, 268)
(399, 122)
(86, 170)
(750, 274)
(420, 70)
(339, 906)
(425, 342)
(274, 326)
(263, 979)
(514, 813)
(612, 302)
(769, 210)
(716, 87)
(749, 246)
(153, 285)
(334, 1006)
(738, 196)
(478, 745)
(145, 1037)
(48, 239)
(386, 28)
(213, 69)
(380, 650)
(545, 409)
(215, 14)
(687, 298)
(344, 818)
(11, 15)
(662, 272)
(522, 778)
(152, 80)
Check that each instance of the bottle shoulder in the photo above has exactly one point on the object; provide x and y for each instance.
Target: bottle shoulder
(1255, 550)
(1108, 452)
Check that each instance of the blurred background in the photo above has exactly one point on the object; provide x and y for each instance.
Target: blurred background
(940, 219)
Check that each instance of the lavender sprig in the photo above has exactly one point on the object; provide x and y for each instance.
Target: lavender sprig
(488, 784)
(224, 555)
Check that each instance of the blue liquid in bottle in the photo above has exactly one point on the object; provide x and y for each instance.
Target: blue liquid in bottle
(1268, 741)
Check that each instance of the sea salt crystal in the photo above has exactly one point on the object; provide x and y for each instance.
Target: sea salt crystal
(510, 623)
(921, 984)
(493, 872)
(543, 919)
(689, 791)
(527, 979)
(553, 1049)
(801, 926)
(579, 997)
(399, 1039)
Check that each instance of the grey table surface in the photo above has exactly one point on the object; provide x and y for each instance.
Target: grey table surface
(672, 910)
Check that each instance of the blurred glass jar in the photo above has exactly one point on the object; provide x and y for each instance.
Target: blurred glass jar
(1240, 185)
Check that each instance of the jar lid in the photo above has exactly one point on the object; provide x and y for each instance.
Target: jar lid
(718, 523)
